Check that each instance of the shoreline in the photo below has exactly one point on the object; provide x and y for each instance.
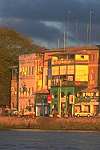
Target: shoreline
(50, 131)
(65, 131)
(50, 124)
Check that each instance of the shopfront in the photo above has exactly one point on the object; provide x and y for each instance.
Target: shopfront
(61, 100)
(41, 105)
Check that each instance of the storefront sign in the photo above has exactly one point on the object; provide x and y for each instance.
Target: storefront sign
(81, 73)
(81, 57)
(71, 99)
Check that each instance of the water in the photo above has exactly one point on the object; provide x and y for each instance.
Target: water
(29, 140)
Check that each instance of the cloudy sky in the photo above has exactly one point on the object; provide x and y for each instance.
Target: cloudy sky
(46, 20)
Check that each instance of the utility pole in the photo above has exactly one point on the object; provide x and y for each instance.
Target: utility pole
(66, 33)
(58, 43)
(68, 26)
(64, 40)
(87, 33)
(90, 26)
(76, 28)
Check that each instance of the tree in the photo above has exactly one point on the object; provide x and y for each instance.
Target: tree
(12, 44)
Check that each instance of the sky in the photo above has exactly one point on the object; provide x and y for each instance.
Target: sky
(46, 20)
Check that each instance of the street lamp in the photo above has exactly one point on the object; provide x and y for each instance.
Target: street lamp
(59, 95)
(66, 33)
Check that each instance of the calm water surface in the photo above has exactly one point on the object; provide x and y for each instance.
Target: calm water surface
(29, 140)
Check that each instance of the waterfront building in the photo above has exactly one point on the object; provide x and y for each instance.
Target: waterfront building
(30, 79)
(64, 81)
(75, 80)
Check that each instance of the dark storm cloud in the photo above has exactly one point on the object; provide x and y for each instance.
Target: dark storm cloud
(32, 12)
(49, 9)
(35, 29)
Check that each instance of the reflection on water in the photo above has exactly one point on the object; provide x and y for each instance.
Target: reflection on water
(29, 140)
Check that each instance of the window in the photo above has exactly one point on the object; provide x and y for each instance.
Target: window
(55, 70)
(29, 70)
(32, 69)
(24, 88)
(24, 71)
(62, 70)
(70, 69)
(29, 91)
(93, 57)
(55, 81)
(81, 73)
(71, 56)
(14, 73)
(32, 89)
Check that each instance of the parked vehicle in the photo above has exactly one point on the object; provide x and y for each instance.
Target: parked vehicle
(14, 113)
(7, 112)
(27, 113)
(83, 114)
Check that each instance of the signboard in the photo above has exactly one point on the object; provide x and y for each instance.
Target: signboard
(54, 59)
(49, 98)
(71, 99)
(70, 78)
(62, 61)
(81, 57)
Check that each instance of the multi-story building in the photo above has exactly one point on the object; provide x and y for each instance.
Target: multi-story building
(65, 80)
(30, 79)
(75, 80)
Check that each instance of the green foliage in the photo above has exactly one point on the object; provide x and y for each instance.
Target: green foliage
(12, 44)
